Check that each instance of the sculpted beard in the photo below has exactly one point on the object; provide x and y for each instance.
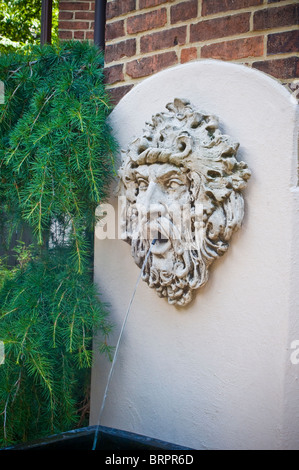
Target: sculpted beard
(173, 267)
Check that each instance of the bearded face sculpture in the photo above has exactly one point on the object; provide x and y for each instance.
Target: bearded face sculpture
(182, 185)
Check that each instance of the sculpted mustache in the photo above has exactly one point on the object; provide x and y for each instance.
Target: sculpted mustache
(162, 225)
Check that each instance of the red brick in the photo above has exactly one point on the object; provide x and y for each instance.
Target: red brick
(283, 42)
(183, 11)
(121, 49)
(73, 6)
(117, 93)
(147, 21)
(238, 49)
(274, 17)
(84, 15)
(188, 54)
(119, 7)
(79, 34)
(149, 65)
(280, 68)
(220, 27)
(114, 74)
(73, 24)
(215, 6)
(66, 15)
(89, 35)
(151, 3)
(163, 39)
(65, 34)
(115, 30)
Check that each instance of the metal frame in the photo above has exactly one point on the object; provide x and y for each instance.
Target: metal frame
(46, 21)
(100, 23)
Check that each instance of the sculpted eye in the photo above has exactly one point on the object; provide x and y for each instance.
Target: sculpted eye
(142, 184)
(174, 183)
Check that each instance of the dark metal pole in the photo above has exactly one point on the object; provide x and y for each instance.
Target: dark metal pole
(46, 21)
(100, 23)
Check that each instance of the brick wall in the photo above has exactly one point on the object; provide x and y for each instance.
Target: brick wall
(146, 36)
(76, 19)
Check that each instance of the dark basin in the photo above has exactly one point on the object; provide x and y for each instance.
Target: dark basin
(108, 439)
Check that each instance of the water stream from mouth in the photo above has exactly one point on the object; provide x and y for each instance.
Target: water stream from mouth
(117, 348)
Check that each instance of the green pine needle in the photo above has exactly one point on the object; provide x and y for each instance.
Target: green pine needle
(56, 165)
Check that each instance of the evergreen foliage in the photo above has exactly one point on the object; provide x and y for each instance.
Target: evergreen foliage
(56, 164)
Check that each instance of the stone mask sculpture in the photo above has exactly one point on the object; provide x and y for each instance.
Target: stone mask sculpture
(182, 184)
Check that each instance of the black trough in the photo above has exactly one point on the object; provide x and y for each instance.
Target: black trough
(108, 439)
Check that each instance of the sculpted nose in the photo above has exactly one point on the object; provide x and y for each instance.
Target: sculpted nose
(153, 200)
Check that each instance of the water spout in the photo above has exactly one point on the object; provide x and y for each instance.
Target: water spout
(117, 348)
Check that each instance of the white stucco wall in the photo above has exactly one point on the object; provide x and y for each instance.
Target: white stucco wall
(217, 374)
